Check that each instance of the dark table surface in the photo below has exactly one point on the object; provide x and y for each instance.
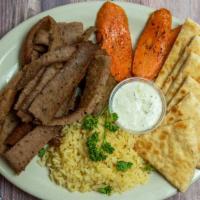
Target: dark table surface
(12, 12)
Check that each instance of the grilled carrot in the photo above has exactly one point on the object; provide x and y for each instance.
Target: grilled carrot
(114, 36)
(152, 45)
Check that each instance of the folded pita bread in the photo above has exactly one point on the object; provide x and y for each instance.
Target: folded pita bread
(191, 67)
(188, 31)
(172, 150)
(194, 47)
(188, 108)
(189, 85)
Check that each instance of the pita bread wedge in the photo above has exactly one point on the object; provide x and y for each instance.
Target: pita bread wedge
(191, 67)
(189, 85)
(188, 108)
(194, 47)
(172, 150)
(188, 31)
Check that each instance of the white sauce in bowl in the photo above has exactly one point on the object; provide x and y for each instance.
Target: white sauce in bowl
(138, 103)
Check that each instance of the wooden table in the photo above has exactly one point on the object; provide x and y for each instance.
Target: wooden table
(12, 12)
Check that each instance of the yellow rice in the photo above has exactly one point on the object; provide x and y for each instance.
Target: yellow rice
(69, 164)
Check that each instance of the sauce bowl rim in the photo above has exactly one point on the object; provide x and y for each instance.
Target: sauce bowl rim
(152, 84)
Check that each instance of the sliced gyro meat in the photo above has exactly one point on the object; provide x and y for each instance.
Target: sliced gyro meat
(60, 88)
(35, 55)
(45, 23)
(67, 106)
(103, 101)
(42, 37)
(55, 40)
(27, 89)
(70, 33)
(47, 76)
(40, 48)
(88, 33)
(99, 84)
(18, 133)
(7, 96)
(25, 116)
(63, 109)
(30, 70)
(6, 128)
(29, 146)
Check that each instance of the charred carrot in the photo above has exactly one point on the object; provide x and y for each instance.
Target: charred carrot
(114, 36)
(152, 45)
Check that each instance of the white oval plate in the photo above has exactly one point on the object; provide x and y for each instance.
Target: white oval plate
(34, 179)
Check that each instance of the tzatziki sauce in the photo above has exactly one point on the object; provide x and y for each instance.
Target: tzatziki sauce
(138, 104)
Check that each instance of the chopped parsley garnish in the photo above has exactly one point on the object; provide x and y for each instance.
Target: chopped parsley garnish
(41, 152)
(89, 122)
(111, 127)
(95, 153)
(107, 147)
(123, 166)
(105, 190)
(109, 124)
(114, 117)
(99, 152)
(148, 168)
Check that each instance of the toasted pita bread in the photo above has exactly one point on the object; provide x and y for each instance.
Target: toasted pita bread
(191, 67)
(188, 108)
(188, 31)
(189, 85)
(194, 47)
(172, 150)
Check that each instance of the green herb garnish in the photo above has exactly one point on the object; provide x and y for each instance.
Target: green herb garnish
(123, 166)
(109, 124)
(105, 190)
(107, 147)
(89, 122)
(41, 152)
(95, 153)
(148, 168)
(111, 127)
(113, 117)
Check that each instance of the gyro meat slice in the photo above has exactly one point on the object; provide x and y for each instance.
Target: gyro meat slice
(7, 96)
(18, 133)
(70, 33)
(88, 33)
(6, 128)
(60, 88)
(29, 146)
(45, 23)
(57, 56)
(42, 37)
(47, 76)
(99, 83)
(27, 89)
